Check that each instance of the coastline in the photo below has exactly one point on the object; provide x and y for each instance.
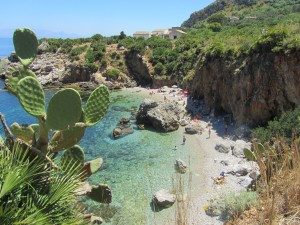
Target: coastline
(204, 162)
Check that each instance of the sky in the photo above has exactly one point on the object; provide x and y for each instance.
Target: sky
(84, 18)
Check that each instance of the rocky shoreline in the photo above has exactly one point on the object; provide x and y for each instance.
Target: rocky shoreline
(214, 151)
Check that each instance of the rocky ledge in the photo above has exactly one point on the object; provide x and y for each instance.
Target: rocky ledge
(163, 116)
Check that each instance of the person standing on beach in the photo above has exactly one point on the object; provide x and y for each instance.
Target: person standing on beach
(209, 131)
(183, 139)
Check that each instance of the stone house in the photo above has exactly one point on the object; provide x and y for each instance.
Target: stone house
(171, 33)
(175, 33)
(144, 34)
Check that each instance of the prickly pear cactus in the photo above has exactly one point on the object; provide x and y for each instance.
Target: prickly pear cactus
(72, 158)
(64, 109)
(25, 133)
(249, 154)
(36, 129)
(67, 138)
(14, 75)
(97, 105)
(31, 96)
(26, 45)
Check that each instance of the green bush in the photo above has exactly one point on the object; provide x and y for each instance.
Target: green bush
(286, 126)
(113, 73)
(159, 69)
(270, 40)
(233, 204)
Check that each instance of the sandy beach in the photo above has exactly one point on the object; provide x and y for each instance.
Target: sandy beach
(204, 161)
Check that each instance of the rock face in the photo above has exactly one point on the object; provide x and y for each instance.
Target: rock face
(254, 88)
(164, 198)
(163, 116)
(138, 69)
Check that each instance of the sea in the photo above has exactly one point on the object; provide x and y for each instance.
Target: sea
(6, 47)
(135, 166)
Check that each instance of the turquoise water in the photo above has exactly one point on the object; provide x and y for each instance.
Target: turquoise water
(6, 47)
(135, 166)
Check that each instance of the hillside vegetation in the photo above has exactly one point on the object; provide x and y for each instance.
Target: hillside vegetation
(223, 29)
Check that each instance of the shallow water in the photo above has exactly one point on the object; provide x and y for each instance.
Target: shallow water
(135, 166)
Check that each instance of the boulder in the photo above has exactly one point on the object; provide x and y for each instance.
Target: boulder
(164, 198)
(193, 129)
(242, 132)
(238, 170)
(238, 148)
(124, 121)
(180, 166)
(223, 147)
(163, 116)
(121, 131)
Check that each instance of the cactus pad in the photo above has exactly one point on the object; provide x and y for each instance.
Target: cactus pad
(249, 154)
(67, 138)
(25, 133)
(36, 130)
(72, 158)
(100, 193)
(26, 45)
(97, 105)
(31, 96)
(64, 109)
(14, 75)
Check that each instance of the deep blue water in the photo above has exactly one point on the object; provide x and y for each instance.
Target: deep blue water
(6, 47)
(135, 166)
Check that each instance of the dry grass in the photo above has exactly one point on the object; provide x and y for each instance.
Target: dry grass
(279, 188)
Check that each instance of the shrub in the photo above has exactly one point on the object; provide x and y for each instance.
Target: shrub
(215, 27)
(231, 205)
(270, 40)
(159, 69)
(286, 126)
(113, 73)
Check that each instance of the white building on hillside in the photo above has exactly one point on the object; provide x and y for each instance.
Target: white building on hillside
(175, 33)
(171, 33)
(144, 34)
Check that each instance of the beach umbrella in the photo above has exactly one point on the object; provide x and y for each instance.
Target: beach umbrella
(185, 92)
(174, 86)
(165, 87)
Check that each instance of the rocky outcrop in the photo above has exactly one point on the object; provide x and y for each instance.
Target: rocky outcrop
(164, 198)
(121, 131)
(180, 166)
(138, 69)
(163, 116)
(253, 88)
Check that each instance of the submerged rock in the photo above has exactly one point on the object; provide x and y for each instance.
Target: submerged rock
(180, 166)
(121, 131)
(164, 198)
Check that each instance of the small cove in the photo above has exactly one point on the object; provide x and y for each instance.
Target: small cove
(135, 166)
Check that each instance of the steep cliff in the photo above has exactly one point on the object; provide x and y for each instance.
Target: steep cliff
(138, 69)
(253, 88)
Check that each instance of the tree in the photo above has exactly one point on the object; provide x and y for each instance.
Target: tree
(122, 35)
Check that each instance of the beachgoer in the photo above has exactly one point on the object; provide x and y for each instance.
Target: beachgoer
(183, 139)
(175, 148)
(209, 131)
